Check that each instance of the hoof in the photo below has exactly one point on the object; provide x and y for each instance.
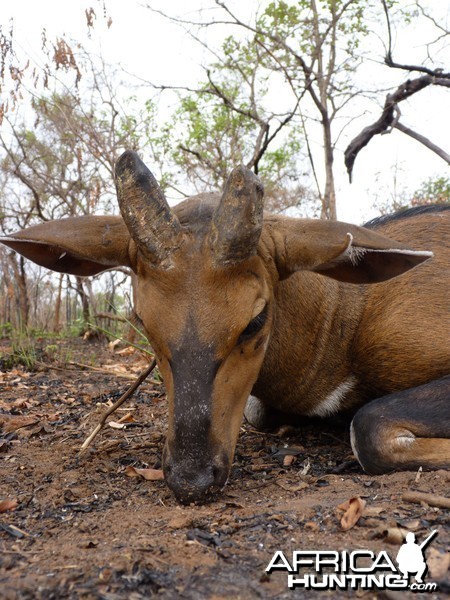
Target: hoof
(256, 413)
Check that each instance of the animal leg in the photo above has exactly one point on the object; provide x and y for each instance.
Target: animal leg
(404, 430)
(264, 417)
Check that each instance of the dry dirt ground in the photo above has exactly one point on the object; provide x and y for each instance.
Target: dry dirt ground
(76, 527)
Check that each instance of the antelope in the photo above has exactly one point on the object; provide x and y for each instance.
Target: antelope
(303, 316)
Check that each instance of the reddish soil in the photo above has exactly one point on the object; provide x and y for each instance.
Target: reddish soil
(83, 529)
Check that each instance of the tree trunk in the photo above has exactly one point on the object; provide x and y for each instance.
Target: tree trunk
(84, 302)
(8, 296)
(57, 322)
(329, 197)
(22, 289)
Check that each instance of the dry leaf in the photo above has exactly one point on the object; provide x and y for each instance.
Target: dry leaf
(353, 511)
(6, 505)
(13, 423)
(126, 351)
(128, 418)
(373, 511)
(180, 522)
(306, 467)
(116, 425)
(113, 345)
(395, 535)
(438, 563)
(148, 474)
(288, 460)
(21, 403)
(292, 488)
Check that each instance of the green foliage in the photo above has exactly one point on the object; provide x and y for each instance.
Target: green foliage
(209, 137)
(433, 190)
(319, 28)
(24, 353)
(6, 330)
(228, 121)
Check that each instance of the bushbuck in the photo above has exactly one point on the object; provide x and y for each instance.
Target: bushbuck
(305, 316)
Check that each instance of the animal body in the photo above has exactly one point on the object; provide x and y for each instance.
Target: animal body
(310, 317)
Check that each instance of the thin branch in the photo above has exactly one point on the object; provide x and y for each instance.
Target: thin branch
(116, 405)
(423, 140)
(386, 120)
(432, 72)
(435, 22)
(389, 61)
(388, 23)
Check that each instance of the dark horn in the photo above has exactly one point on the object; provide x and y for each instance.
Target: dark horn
(147, 215)
(237, 221)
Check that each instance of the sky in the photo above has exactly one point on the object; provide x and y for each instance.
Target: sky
(148, 46)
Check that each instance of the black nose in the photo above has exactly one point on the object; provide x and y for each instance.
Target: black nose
(194, 480)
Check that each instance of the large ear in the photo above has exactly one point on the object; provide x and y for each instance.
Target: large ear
(78, 245)
(339, 250)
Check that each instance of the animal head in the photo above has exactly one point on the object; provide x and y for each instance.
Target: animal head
(207, 274)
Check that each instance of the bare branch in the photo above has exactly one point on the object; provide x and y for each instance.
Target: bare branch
(423, 140)
(386, 120)
(389, 61)
(420, 69)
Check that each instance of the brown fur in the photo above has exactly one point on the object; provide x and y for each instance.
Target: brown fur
(320, 334)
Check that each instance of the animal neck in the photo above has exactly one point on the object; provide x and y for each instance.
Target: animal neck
(310, 349)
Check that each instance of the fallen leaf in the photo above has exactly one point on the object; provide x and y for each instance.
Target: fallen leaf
(394, 535)
(6, 505)
(128, 418)
(21, 403)
(438, 563)
(10, 423)
(292, 488)
(126, 351)
(113, 345)
(306, 467)
(148, 474)
(373, 511)
(411, 525)
(288, 460)
(180, 522)
(116, 425)
(353, 511)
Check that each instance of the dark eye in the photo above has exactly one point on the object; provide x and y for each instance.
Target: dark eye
(255, 325)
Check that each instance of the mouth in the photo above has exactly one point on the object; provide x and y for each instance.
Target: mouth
(196, 485)
(198, 498)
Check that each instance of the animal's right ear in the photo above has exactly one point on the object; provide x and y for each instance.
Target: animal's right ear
(338, 250)
(79, 245)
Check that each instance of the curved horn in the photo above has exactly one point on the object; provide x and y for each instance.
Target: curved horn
(147, 215)
(237, 221)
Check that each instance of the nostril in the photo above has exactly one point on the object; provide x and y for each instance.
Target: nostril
(194, 480)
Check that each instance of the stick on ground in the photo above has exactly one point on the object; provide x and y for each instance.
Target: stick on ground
(87, 442)
(430, 499)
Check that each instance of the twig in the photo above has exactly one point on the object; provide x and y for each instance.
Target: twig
(425, 141)
(99, 370)
(116, 405)
(430, 499)
(387, 118)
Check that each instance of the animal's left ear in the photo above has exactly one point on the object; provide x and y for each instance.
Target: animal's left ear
(342, 251)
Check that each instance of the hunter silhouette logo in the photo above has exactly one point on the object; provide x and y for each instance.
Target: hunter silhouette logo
(357, 569)
(410, 557)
